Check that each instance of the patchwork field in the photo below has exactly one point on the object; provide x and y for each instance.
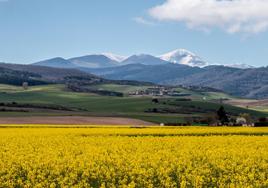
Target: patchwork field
(56, 100)
(88, 156)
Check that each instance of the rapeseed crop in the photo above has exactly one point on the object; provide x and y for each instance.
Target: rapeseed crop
(132, 157)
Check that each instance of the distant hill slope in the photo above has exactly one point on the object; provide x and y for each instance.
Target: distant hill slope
(57, 62)
(150, 73)
(16, 74)
(46, 73)
(144, 59)
(13, 77)
(251, 83)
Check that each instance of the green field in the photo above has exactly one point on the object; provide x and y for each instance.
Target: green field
(120, 88)
(94, 105)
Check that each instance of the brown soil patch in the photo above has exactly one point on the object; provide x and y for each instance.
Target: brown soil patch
(73, 120)
(249, 103)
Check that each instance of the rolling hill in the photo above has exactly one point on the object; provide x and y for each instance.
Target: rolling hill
(75, 80)
(250, 83)
(51, 74)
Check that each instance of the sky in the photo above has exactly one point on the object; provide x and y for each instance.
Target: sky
(220, 32)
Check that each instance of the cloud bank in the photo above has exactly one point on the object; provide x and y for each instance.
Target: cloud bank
(233, 16)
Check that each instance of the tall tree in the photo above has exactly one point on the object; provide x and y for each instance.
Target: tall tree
(222, 115)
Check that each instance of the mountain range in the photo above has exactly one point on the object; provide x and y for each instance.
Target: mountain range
(104, 60)
(179, 67)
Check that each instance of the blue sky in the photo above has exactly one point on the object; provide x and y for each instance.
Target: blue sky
(33, 30)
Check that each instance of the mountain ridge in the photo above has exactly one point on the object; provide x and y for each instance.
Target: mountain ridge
(57, 62)
(104, 60)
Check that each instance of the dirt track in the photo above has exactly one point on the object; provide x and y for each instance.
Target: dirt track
(73, 120)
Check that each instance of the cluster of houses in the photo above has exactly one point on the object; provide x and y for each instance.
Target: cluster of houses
(158, 91)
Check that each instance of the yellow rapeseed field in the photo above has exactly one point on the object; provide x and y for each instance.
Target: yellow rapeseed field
(40, 156)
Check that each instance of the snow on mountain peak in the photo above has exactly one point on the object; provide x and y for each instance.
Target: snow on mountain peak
(240, 66)
(115, 57)
(185, 57)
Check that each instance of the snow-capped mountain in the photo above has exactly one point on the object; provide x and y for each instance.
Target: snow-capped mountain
(185, 57)
(115, 57)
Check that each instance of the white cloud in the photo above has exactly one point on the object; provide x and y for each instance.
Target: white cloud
(233, 16)
(141, 20)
